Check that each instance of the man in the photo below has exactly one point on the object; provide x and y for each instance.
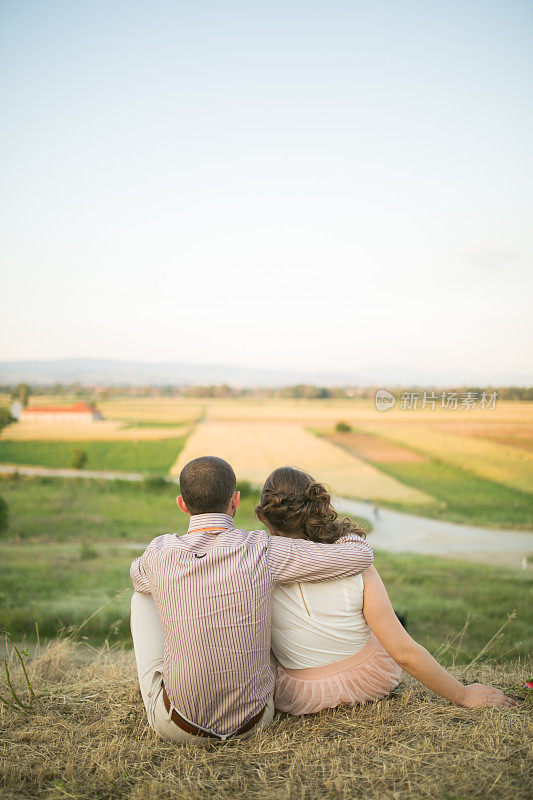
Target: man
(201, 611)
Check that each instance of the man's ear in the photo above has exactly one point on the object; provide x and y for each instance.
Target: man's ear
(181, 504)
(234, 503)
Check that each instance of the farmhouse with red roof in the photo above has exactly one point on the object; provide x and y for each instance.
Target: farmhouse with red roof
(79, 412)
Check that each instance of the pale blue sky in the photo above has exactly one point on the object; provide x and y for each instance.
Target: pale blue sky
(281, 184)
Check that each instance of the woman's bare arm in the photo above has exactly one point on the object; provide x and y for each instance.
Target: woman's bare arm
(414, 658)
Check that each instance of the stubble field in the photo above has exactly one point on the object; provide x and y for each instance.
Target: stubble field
(256, 448)
(87, 738)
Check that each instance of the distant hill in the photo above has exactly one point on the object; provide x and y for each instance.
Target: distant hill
(93, 371)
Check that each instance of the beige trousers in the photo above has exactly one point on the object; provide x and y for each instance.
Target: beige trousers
(148, 643)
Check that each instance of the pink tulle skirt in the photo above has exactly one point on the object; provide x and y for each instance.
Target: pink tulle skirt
(369, 674)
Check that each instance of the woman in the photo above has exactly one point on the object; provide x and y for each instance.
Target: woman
(339, 642)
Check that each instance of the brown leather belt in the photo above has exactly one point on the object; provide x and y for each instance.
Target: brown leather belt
(188, 727)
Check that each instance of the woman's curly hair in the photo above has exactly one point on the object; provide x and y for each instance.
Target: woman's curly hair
(293, 502)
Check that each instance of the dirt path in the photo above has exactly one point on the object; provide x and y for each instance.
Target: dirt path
(393, 530)
(45, 472)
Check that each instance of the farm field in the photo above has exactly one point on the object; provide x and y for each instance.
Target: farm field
(466, 465)
(520, 435)
(131, 410)
(374, 448)
(141, 437)
(507, 418)
(256, 448)
(507, 415)
(152, 410)
(147, 456)
(509, 465)
(461, 495)
(102, 431)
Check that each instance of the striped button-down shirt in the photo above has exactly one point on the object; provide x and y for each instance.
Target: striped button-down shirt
(213, 590)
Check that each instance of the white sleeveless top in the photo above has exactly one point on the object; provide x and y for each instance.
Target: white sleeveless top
(314, 624)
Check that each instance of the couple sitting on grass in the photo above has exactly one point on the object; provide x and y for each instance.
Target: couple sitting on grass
(229, 625)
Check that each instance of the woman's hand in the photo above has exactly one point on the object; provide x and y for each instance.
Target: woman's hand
(477, 694)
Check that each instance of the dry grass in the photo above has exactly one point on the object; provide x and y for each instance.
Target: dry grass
(103, 431)
(316, 412)
(254, 449)
(152, 409)
(502, 432)
(88, 738)
(307, 412)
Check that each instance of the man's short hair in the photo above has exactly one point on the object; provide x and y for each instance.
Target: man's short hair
(207, 485)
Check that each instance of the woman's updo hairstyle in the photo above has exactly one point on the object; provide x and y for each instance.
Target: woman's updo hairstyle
(292, 502)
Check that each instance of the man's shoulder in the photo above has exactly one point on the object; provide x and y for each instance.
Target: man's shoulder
(255, 537)
(173, 541)
(351, 537)
(162, 542)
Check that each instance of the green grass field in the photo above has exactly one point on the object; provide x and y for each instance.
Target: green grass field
(63, 553)
(69, 545)
(56, 510)
(149, 456)
(460, 495)
(60, 585)
(463, 496)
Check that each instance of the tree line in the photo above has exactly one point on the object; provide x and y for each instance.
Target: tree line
(23, 391)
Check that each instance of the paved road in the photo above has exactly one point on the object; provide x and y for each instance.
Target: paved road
(406, 533)
(393, 531)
